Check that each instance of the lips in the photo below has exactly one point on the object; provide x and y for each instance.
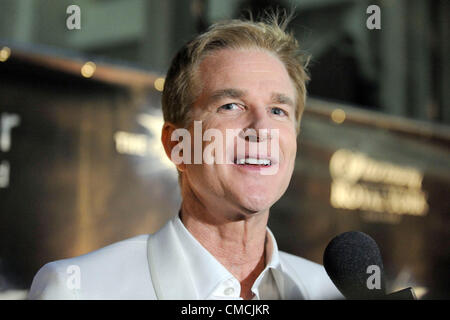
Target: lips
(253, 161)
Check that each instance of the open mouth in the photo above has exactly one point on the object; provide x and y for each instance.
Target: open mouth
(253, 162)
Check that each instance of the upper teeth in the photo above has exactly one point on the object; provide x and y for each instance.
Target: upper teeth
(265, 162)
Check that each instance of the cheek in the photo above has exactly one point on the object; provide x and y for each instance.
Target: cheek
(225, 146)
(289, 145)
(202, 178)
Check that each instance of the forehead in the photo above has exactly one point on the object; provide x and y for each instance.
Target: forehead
(246, 69)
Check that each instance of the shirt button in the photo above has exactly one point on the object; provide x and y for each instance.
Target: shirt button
(228, 291)
(228, 283)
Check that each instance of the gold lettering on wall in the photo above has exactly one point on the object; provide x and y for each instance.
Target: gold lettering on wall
(144, 144)
(362, 183)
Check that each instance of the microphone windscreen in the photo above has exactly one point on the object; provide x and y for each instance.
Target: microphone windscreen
(354, 264)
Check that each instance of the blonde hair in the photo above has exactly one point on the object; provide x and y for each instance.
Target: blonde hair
(181, 88)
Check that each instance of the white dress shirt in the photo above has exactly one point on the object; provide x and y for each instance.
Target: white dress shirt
(213, 281)
(172, 264)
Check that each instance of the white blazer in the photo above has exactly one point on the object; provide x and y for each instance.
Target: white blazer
(151, 267)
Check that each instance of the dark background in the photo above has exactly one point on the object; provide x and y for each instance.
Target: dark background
(86, 168)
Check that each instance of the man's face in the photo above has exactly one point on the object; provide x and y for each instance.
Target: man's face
(244, 89)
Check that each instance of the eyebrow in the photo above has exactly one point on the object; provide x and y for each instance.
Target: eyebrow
(226, 93)
(281, 98)
(278, 98)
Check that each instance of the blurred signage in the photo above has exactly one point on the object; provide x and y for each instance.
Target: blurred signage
(376, 187)
(138, 144)
(7, 122)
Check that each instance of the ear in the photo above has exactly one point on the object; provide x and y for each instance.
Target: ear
(166, 139)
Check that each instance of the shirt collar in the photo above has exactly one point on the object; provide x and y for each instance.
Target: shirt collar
(207, 274)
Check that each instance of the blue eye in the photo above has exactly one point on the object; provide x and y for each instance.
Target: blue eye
(229, 107)
(278, 112)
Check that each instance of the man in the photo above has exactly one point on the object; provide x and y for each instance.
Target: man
(239, 76)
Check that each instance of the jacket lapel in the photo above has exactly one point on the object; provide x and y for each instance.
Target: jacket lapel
(170, 274)
(289, 284)
(168, 268)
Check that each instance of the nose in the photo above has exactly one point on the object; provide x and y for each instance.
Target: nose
(258, 126)
(255, 135)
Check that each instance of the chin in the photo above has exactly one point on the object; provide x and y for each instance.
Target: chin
(253, 204)
(255, 196)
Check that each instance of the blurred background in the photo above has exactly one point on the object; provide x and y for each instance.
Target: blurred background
(81, 165)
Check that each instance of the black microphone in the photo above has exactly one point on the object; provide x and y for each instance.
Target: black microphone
(354, 264)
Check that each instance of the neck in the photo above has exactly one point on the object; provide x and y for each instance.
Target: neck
(237, 243)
